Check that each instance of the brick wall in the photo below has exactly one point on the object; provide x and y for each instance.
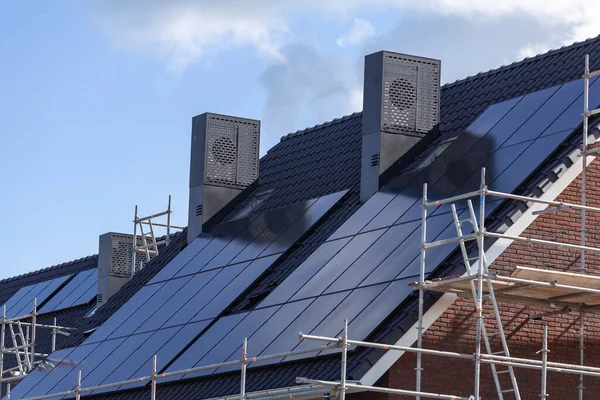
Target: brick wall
(455, 329)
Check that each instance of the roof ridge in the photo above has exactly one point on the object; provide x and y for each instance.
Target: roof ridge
(56, 266)
(321, 125)
(526, 60)
(479, 75)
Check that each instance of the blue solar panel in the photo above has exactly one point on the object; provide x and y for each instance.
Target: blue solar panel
(80, 290)
(43, 382)
(85, 361)
(21, 303)
(206, 342)
(164, 355)
(274, 329)
(311, 266)
(182, 300)
(18, 296)
(232, 340)
(352, 252)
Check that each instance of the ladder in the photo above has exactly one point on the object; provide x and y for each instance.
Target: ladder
(149, 245)
(514, 390)
(20, 348)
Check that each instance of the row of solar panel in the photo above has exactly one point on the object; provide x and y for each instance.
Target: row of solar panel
(378, 248)
(183, 299)
(21, 303)
(79, 290)
(551, 113)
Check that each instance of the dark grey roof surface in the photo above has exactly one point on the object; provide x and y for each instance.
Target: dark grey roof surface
(326, 159)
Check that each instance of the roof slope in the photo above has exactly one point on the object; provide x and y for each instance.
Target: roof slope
(323, 160)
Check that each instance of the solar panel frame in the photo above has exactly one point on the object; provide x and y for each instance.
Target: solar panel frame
(41, 291)
(70, 294)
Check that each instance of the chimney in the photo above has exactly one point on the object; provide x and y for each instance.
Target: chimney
(114, 264)
(223, 162)
(401, 103)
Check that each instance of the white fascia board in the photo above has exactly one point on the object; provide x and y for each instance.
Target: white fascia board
(440, 306)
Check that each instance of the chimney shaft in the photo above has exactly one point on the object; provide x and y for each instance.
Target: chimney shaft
(400, 105)
(223, 162)
(114, 264)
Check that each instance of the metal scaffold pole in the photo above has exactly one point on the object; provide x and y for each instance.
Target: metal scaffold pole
(2, 338)
(168, 239)
(584, 151)
(479, 299)
(33, 330)
(54, 332)
(78, 386)
(134, 239)
(243, 368)
(344, 366)
(153, 381)
(419, 368)
(544, 351)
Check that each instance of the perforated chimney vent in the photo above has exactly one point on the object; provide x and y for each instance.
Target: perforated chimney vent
(114, 264)
(232, 151)
(411, 93)
(121, 247)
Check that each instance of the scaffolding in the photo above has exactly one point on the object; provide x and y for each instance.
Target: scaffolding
(22, 333)
(147, 243)
(560, 292)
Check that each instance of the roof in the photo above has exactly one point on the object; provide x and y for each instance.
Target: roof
(323, 160)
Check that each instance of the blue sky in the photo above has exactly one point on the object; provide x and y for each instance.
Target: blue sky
(96, 97)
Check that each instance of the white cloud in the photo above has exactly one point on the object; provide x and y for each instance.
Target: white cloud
(185, 31)
(360, 31)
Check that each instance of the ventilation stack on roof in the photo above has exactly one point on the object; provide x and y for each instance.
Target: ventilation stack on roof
(114, 264)
(223, 162)
(401, 103)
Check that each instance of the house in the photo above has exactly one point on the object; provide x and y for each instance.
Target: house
(327, 228)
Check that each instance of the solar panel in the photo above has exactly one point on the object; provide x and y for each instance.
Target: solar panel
(133, 358)
(173, 345)
(18, 296)
(274, 329)
(86, 361)
(336, 266)
(182, 300)
(283, 316)
(80, 290)
(21, 303)
(44, 384)
(206, 342)
(310, 267)
(232, 340)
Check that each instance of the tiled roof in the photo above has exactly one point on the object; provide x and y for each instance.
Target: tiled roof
(326, 159)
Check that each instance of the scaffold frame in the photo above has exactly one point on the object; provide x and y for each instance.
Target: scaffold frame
(23, 344)
(149, 242)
